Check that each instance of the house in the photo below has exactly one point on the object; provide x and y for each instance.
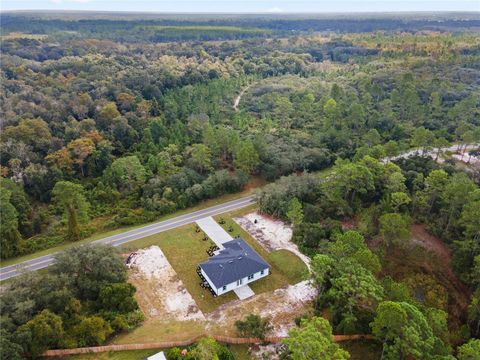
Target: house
(234, 266)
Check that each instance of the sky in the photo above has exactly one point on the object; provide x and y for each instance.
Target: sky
(245, 6)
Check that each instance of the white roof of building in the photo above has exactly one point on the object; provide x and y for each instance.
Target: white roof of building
(157, 356)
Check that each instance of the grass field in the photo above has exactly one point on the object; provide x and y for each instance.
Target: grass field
(240, 352)
(118, 355)
(158, 329)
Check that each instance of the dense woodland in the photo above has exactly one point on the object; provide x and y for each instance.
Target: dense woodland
(115, 122)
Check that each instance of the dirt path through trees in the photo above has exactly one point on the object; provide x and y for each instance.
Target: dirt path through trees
(236, 102)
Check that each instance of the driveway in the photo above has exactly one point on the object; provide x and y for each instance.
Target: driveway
(214, 231)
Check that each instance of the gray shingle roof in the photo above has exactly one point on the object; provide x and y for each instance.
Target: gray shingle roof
(238, 260)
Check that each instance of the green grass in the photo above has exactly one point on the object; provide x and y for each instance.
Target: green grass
(154, 329)
(103, 234)
(240, 352)
(117, 355)
(292, 266)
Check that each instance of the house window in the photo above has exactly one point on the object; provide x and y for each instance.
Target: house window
(250, 277)
(239, 282)
(262, 272)
(225, 288)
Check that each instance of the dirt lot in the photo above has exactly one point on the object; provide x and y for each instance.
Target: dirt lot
(281, 306)
(161, 292)
(272, 234)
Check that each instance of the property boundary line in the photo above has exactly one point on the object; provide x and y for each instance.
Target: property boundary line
(169, 344)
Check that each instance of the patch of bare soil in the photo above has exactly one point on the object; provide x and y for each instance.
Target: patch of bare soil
(423, 238)
(270, 351)
(432, 256)
(160, 293)
(282, 306)
(272, 234)
(349, 224)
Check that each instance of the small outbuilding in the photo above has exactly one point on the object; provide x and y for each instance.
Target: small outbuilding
(233, 267)
(157, 356)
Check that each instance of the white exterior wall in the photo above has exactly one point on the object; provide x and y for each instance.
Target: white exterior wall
(209, 281)
(234, 285)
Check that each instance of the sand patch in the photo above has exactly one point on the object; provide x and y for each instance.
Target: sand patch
(270, 352)
(272, 234)
(160, 293)
(281, 306)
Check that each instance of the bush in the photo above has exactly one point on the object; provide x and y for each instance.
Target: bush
(135, 318)
(253, 326)
(128, 217)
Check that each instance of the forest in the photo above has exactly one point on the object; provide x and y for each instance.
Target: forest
(116, 121)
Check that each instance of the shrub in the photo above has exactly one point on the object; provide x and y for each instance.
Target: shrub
(253, 326)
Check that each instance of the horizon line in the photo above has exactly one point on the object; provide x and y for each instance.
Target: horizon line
(245, 13)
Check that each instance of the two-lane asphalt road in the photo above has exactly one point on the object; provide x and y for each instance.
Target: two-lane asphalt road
(8, 272)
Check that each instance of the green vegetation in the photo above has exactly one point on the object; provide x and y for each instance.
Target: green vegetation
(359, 286)
(100, 224)
(165, 136)
(312, 338)
(201, 33)
(110, 122)
(80, 301)
(290, 264)
(206, 349)
(253, 326)
(119, 355)
(185, 249)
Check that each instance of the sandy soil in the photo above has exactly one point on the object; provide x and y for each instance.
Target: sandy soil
(472, 160)
(281, 306)
(160, 293)
(270, 352)
(270, 233)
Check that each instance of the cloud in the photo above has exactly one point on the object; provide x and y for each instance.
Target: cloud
(275, 9)
(56, 1)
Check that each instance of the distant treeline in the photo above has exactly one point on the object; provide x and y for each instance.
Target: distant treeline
(214, 28)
